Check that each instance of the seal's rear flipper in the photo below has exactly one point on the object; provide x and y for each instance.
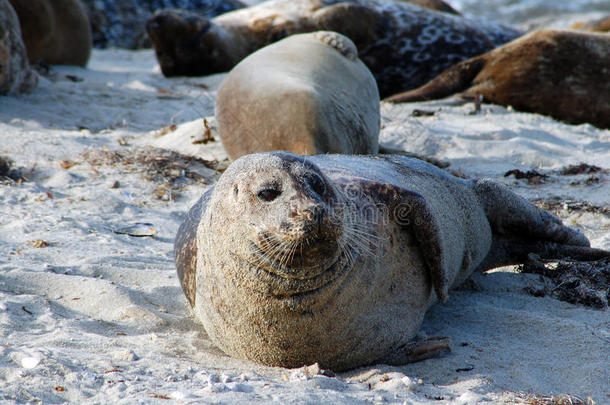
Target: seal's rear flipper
(452, 80)
(520, 228)
(411, 211)
(418, 350)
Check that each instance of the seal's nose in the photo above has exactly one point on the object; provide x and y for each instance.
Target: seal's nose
(314, 215)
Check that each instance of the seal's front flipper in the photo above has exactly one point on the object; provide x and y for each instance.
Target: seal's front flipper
(411, 211)
(185, 247)
(520, 228)
(454, 79)
(418, 350)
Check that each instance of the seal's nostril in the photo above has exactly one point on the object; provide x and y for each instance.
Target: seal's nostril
(314, 216)
(268, 194)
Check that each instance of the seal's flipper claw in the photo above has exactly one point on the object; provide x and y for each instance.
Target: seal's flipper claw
(419, 350)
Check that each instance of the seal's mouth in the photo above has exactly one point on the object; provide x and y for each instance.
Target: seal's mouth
(285, 282)
(301, 259)
(294, 271)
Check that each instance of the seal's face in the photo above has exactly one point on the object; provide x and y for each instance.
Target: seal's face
(284, 219)
(187, 44)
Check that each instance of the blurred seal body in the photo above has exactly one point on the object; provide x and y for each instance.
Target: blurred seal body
(290, 260)
(55, 32)
(556, 73)
(403, 44)
(307, 94)
(16, 76)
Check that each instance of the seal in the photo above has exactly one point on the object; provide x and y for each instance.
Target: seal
(404, 45)
(306, 94)
(438, 5)
(598, 25)
(121, 23)
(290, 260)
(16, 76)
(550, 72)
(55, 32)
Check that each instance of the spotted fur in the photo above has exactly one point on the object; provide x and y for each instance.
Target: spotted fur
(403, 44)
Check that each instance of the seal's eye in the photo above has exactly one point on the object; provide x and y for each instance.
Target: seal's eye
(317, 184)
(268, 194)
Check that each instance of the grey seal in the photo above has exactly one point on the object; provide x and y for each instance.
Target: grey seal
(306, 94)
(290, 260)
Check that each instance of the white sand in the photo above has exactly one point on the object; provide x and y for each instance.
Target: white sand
(99, 317)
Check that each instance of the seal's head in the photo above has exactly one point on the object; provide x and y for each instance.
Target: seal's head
(187, 44)
(284, 222)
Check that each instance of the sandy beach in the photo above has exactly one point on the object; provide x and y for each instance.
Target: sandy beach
(103, 170)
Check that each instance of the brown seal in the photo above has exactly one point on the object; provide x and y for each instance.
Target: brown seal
(15, 73)
(599, 25)
(556, 73)
(306, 94)
(438, 5)
(403, 45)
(55, 32)
(290, 260)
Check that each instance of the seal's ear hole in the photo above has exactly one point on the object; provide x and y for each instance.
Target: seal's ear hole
(268, 194)
(235, 191)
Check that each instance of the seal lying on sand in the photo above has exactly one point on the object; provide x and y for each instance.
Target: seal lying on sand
(16, 76)
(558, 73)
(55, 32)
(291, 260)
(306, 94)
(438, 5)
(121, 23)
(599, 25)
(404, 45)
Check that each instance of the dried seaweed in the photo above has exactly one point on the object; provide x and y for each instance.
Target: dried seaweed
(557, 400)
(582, 168)
(10, 175)
(170, 170)
(568, 206)
(585, 283)
(532, 176)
